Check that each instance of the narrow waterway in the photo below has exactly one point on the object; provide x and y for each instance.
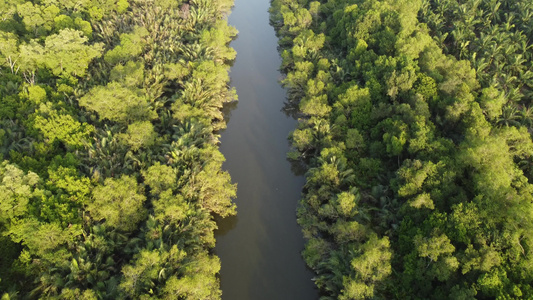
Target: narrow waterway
(260, 248)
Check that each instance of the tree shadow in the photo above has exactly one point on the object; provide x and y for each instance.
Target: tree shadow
(291, 109)
(225, 225)
(226, 110)
(298, 167)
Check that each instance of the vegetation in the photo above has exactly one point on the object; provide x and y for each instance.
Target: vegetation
(110, 175)
(495, 36)
(419, 174)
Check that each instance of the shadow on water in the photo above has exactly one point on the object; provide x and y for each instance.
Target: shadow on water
(227, 109)
(226, 224)
(298, 168)
(290, 109)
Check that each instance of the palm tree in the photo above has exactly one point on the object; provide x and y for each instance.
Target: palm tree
(526, 116)
(493, 14)
(196, 51)
(106, 155)
(14, 138)
(509, 117)
(333, 270)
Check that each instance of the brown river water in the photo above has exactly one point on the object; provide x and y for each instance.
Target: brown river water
(260, 248)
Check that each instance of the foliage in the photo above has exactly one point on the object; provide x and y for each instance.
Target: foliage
(110, 175)
(418, 184)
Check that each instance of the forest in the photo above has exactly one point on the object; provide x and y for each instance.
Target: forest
(110, 173)
(415, 123)
(414, 126)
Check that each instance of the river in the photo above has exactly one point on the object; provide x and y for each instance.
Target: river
(260, 248)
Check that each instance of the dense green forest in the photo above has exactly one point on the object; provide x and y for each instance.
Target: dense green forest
(110, 174)
(415, 123)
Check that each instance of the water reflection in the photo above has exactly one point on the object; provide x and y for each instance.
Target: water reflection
(225, 224)
(227, 110)
(290, 109)
(298, 167)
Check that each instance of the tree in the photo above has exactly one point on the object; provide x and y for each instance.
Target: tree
(130, 75)
(371, 267)
(171, 208)
(140, 135)
(9, 51)
(355, 104)
(77, 294)
(66, 53)
(401, 81)
(77, 230)
(492, 101)
(62, 127)
(36, 18)
(214, 188)
(217, 38)
(119, 203)
(131, 45)
(117, 103)
(197, 282)
(160, 178)
(44, 241)
(141, 275)
(16, 191)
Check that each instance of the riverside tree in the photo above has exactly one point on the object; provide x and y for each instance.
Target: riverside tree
(110, 175)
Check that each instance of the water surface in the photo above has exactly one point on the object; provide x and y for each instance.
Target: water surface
(260, 248)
